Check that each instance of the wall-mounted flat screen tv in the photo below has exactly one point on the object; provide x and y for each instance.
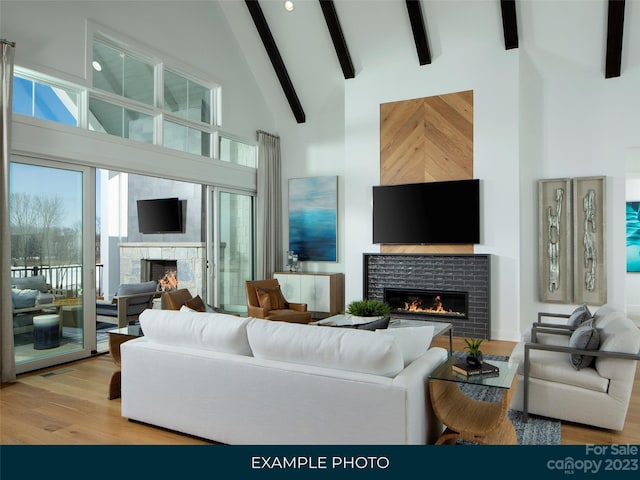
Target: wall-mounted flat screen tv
(427, 213)
(160, 215)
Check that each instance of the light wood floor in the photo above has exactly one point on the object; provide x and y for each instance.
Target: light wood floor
(68, 405)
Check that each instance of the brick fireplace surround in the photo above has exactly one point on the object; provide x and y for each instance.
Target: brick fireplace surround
(469, 273)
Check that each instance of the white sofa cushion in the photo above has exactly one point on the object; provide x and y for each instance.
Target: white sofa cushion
(341, 348)
(413, 341)
(218, 332)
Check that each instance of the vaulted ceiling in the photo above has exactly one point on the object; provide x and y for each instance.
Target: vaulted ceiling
(320, 20)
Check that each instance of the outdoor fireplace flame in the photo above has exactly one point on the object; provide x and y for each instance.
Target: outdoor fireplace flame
(168, 282)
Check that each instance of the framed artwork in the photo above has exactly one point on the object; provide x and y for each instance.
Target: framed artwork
(313, 218)
(633, 236)
(554, 240)
(589, 222)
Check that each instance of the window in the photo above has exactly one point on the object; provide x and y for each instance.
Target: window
(237, 152)
(186, 98)
(45, 99)
(117, 72)
(186, 139)
(136, 97)
(119, 121)
(134, 92)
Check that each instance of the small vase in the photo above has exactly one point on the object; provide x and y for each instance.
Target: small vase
(474, 360)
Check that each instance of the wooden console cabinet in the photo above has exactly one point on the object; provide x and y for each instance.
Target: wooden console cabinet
(322, 292)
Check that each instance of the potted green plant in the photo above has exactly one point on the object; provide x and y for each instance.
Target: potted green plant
(368, 308)
(474, 354)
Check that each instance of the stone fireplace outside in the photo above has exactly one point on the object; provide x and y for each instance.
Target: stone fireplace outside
(189, 257)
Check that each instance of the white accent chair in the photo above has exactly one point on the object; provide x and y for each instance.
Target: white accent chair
(597, 394)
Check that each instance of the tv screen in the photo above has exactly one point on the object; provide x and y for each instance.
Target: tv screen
(427, 213)
(160, 215)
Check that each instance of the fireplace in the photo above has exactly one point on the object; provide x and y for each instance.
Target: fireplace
(190, 259)
(433, 275)
(165, 272)
(430, 303)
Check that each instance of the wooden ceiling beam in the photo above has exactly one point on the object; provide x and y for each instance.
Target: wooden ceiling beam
(339, 43)
(615, 25)
(509, 23)
(276, 60)
(419, 31)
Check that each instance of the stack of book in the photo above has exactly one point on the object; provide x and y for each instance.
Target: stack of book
(486, 369)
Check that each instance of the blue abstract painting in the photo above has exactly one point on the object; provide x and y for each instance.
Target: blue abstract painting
(633, 236)
(313, 212)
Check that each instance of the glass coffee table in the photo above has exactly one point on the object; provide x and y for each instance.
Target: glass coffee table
(466, 418)
(439, 328)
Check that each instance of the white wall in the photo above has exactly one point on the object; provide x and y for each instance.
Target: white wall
(632, 194)
(543, 110)
(575, 122)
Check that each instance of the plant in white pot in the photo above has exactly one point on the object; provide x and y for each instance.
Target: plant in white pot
(368, 309)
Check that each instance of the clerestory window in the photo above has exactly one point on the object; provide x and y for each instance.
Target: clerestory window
(131, 91)
(45, 99)
(138, 98)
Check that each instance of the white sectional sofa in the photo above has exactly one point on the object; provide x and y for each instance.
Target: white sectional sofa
(241, 380)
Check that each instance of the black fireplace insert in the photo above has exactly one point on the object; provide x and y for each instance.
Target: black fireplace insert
(429, 303)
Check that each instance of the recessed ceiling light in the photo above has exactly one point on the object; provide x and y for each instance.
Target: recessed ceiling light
(289, 6)
(96, 66)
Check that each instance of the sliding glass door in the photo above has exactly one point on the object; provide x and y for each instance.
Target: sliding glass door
(50, 208)
(231, 248)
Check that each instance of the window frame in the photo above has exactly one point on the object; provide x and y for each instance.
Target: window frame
(51, 82)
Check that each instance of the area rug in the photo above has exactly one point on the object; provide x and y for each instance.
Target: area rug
(536, 431)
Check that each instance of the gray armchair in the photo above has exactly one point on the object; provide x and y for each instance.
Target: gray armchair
(130, 300)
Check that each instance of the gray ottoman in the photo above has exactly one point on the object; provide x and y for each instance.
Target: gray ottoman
(46, 331)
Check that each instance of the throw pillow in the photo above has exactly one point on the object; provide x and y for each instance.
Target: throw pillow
(24, 298)
(270, 298)
(579, 316)
(196, 304)
(44, 298)
(36, 282)
(585, 337)
(413, 341)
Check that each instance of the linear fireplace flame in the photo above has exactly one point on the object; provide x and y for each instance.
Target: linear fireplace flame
(427, 302)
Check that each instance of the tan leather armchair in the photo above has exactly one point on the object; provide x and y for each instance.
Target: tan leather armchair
(175, 299)
(265, 300)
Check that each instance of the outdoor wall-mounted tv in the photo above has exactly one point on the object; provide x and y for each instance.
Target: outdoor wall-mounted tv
(427, 213)
(160, 215)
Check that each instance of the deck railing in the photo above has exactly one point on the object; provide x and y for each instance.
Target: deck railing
(64, 279)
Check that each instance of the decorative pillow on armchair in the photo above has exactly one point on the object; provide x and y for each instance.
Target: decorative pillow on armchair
(270, 298)
(579, 316)
(585, 337)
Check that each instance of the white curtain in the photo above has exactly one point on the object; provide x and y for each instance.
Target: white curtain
(7, 358)
(269, 199)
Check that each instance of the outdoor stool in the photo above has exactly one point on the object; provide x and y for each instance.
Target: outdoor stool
(46, 331)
